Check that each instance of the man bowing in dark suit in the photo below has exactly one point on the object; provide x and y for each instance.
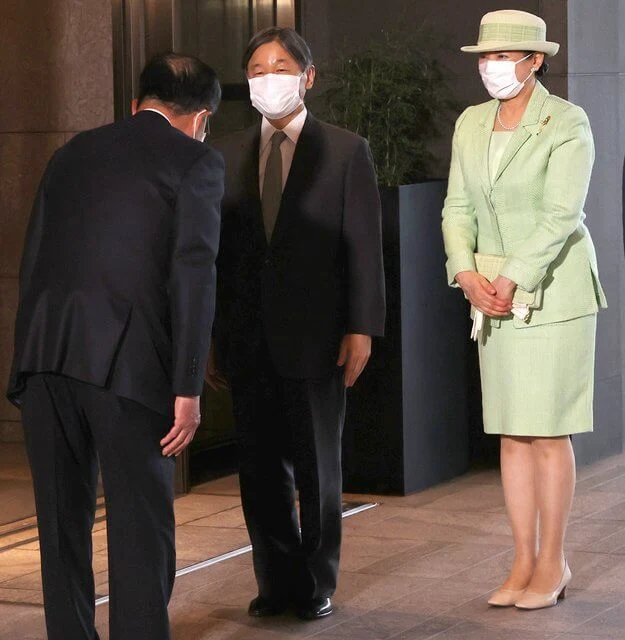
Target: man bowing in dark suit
(117, 290)
(300, 293)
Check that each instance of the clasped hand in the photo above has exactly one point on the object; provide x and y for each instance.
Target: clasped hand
(491, 298)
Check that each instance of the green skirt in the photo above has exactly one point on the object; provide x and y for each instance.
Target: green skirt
(538, 381)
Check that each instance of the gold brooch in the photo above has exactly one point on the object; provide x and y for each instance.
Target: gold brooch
(544, 124)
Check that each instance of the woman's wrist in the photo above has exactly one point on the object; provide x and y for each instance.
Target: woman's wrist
(506, 283)
(463, 277)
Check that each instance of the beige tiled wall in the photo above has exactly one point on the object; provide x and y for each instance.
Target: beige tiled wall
(57, 73)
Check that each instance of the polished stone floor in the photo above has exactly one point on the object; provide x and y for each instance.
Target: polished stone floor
(16, 491)
(414, 568)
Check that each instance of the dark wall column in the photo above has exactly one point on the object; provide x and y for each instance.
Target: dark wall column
(596, 63)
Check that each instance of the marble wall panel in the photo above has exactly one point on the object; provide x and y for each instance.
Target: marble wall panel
(8, 307)
(11, 432)
(23, 157)
(57, 65)
(57, 79)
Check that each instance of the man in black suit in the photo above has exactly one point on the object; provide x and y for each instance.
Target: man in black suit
(300, 293)
(117, 295)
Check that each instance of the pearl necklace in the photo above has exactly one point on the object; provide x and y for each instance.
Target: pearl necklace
(503, 126)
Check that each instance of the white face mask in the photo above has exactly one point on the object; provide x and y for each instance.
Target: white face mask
(200, 136)
(277, 95)
(499, 77)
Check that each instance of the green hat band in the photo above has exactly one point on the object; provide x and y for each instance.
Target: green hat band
(510, 33)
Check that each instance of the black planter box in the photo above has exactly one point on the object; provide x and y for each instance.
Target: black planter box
(407, 425)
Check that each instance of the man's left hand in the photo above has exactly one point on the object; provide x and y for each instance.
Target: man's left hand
(354, 354)
(186, 422)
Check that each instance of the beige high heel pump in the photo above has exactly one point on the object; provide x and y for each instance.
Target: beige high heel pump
(505, 597)
(531, 601)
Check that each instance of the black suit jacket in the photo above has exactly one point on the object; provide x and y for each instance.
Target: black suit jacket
(117, 282)
(322, 274)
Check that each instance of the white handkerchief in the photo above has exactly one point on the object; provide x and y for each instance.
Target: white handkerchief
(520, 311)
(478, 323)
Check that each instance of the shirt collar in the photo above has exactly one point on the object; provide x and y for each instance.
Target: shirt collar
(292, 130)
(159, 112)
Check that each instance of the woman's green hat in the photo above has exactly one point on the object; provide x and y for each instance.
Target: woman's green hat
(510, 30)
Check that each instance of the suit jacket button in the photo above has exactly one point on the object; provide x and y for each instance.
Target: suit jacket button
(267, 261)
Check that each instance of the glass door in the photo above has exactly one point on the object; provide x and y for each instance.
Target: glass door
(217, 31)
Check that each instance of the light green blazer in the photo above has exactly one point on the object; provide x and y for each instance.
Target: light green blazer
(532, 212)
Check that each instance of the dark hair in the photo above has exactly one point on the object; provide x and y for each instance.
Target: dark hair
(288, 38)
(184, 83)
(542, 71)
(544, 67)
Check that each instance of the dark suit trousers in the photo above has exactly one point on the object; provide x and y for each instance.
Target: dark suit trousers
(69, 425)
(289, 433)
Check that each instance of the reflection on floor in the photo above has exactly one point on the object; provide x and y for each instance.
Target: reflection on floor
(414, 568)
(16, 488)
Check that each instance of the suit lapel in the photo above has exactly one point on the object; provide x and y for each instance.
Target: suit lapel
(482, 143)
(519, 138)
(305, 164)
(250, 151)
(528, 127)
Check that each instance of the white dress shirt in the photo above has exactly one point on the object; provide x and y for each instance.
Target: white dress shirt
(287, 148)
(160, 113)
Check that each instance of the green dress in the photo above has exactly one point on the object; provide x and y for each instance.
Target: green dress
(536, 381)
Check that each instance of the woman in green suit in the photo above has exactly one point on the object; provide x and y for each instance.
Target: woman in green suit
(519, 176)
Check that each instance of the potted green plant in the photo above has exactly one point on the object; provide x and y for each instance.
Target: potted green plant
(395, 93)
(407, 422)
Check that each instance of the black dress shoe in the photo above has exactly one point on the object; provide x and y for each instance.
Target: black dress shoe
(261, 607)
(315, 609)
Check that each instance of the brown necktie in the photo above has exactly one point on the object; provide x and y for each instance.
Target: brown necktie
(272, 184)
